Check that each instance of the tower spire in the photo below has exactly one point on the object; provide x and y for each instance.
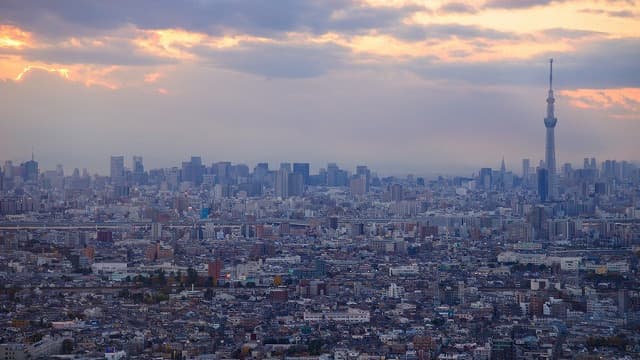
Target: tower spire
(551, 74)
(550, 148)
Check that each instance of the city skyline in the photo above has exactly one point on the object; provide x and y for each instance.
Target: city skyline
(353, 82)
(320, 179)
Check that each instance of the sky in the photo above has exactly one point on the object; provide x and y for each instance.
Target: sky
(404, 86)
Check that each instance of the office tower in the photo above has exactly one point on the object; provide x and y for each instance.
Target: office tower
(358, 185)
(543, 184)
(193, 170)
(197, 170)
(302, 168)
(260, 171)
(593, 164)
(526, 164)
(485, 179)
(222, 170)
(117, 170)
(332, 174)
(363, 171)
(296, 184)
(550, 149)
(138, 170)
(586, 163)
(282, 181)
(30, 171)
(239, 172)
(396, 192)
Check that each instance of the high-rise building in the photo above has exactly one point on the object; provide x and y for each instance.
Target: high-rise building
(332, 174)
(363, 171)
(138, 170)
(485, 179)
(193, 170)
(296, 184)
(302, 168)
(543, 184)
(117, 170)
(358, 185)
(526, 164)
(396, 192)
(282, 180)
(197, 170)
(30, 171)
(260, 171)
(550, 149)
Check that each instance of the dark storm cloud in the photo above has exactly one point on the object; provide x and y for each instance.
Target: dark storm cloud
(447, 31)
(602, 64)
(278, 61)
(257, 17)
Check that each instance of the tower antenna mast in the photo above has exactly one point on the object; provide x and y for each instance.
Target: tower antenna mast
(550, 73)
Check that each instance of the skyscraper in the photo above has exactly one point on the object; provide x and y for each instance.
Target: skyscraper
(117, 170)
(282, 181)
(138, 170)
(550, 148)
(543, 184)
(302, 168)
(30, 171)
(526, 165)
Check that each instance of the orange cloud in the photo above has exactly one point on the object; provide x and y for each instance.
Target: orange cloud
(13, 37)
(627, 98)
(177, 43)
(172, 43)
(152, 77)
(60, 71)
(621, 103)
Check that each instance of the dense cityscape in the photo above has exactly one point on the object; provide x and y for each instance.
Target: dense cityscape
(224, 261)
(320, 180)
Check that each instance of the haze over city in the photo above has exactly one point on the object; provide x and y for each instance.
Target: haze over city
(404, 86)
(320, 180)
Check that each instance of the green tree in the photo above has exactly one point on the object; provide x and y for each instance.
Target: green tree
(192, 276)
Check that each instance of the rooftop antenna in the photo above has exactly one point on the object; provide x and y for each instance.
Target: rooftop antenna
(550, 73)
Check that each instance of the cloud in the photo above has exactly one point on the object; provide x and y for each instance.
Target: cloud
(448, 31)
(214, 17)
(518, 4)
(599, 64)
(278, 60)
(611, 13)
(572, 33)
(620, 103)
(457, 8)
(111, 52)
